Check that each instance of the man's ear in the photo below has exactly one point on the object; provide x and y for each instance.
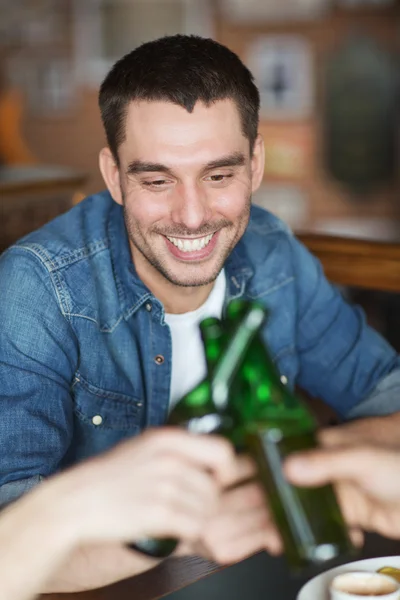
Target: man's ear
(110, 172)
(257, 163)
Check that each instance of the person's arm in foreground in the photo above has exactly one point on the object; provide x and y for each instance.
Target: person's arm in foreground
(163, 483)
(367, 480)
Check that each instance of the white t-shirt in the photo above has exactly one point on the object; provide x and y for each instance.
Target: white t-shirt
(188, 360)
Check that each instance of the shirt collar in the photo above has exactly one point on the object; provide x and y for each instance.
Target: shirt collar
(132, 292)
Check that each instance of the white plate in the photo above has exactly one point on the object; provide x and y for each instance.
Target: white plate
(318, 587)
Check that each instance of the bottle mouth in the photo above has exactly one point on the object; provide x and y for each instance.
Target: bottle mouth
(322, 553)
(206, 424)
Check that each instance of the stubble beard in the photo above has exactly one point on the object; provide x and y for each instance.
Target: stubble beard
(138, 240)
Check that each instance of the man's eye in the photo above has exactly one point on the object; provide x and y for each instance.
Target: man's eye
(219, 177)
(155, 183)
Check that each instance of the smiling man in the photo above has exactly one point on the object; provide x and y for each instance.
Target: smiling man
(99, 309)
(185, 181)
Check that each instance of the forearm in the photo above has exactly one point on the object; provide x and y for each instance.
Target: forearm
(94, 566)
(42, 545)
(33, 543)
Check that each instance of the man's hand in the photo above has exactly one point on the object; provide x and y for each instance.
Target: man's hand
(242, 526)
(383, 431)
(367, 482)
(164, 483)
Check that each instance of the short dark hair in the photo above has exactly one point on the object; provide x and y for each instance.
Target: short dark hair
(181, 69)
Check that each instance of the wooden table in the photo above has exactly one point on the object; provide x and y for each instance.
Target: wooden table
(31, 196)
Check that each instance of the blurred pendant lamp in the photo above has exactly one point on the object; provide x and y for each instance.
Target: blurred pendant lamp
(361, 115)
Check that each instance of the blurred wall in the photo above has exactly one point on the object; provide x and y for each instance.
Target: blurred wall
(75, 139)
(327, 199)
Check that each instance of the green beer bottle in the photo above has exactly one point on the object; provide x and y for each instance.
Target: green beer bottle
(244, 400)
(264, 418)
(197, 411)
(274, 423)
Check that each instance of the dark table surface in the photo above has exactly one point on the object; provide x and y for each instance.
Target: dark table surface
(260, 577)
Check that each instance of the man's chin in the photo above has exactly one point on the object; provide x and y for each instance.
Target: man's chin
(190, 283)
(192, 280)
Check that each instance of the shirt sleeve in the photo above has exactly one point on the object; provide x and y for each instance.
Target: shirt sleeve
(15, 489)
(38, 357)
(343, 361)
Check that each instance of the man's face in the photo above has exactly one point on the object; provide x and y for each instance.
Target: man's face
(186, 181)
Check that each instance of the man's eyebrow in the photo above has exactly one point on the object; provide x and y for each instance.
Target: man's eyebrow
(237, 159)
(139, 166)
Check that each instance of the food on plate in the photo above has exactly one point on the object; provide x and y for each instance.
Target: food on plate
(391, 571)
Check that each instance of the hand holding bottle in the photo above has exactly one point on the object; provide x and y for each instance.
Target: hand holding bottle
(163, 482)
(382, 430)
(367, 482)
(242, 525)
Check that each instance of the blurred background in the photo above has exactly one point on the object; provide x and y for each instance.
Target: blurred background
(328, 72)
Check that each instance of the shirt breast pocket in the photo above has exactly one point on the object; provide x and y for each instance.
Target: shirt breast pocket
(102, 418)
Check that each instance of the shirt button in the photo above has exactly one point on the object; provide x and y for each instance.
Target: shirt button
(159, 359)
(97, 420)
(148, 306)
(284, 379)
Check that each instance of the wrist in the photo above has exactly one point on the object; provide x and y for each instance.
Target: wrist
(52, 510)
(36, 536)
(75, 498)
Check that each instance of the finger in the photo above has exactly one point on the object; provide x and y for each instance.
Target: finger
(177, 480)
(353, 503)
(318, 467)
(341, 435)
(199, 489)
(371, 429)
(210, 452)
(177, 519)
(234, 550)
(246, 467)
(242, 510)
(357, 537)
(246, 470)
(242, 469)
(234, 527)
(244, 497)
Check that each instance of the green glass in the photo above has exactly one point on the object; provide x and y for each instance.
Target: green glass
(274, 422)
(243, 399)
(197, 411)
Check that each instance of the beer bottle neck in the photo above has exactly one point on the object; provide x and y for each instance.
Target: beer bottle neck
(234, 355)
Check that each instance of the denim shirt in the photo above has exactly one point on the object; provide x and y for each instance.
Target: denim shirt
(85, 352)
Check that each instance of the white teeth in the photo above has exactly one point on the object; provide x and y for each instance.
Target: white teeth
(191, 245)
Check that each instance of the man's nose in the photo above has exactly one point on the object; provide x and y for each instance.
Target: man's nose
(190, 207)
